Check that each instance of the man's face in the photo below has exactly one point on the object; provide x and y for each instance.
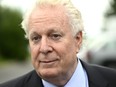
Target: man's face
(53, 47)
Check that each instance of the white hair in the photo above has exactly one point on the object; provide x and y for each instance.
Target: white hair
(73, 14)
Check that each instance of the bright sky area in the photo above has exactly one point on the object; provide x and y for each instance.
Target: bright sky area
(92, 12)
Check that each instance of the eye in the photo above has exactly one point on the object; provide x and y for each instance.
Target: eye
(55, 36)
(36, 38)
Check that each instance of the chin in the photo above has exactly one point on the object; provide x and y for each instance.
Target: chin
(48, 73)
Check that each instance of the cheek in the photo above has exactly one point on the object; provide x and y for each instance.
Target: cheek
(68, 58)
(69, 48)
(34, 51)
(67, 52)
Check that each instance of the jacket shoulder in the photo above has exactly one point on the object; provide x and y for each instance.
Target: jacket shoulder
(97, 74)
(104, 71)
(108, 73)
(18, 82)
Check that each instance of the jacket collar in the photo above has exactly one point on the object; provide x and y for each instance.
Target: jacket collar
(94, 77)
(34, 81)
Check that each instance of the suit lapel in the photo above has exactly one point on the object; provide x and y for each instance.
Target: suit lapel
(94, 77)
(35, 81)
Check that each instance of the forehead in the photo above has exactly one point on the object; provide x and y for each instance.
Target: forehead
(44, 18)
(44, 13)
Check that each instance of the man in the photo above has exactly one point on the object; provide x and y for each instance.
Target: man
(54, 29)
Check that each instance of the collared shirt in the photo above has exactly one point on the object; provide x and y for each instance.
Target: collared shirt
(78, 79)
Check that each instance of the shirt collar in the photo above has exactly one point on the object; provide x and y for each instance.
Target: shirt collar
(78, 79)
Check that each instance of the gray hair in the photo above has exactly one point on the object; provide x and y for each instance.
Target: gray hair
(73, 14)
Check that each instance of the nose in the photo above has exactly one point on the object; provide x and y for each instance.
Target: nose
(45, 47)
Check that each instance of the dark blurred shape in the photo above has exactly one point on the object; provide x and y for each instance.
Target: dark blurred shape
(112, 11)
(103, 50)
(110, 16)
(12, 42)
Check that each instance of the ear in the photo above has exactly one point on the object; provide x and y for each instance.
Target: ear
(78, 40)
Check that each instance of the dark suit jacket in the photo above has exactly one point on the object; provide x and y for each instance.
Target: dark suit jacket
(97, 76)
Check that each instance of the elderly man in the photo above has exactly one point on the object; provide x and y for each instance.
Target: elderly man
(54, 29)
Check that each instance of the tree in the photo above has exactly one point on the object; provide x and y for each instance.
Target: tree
(112, 11)
(12, 42)
(109, 14)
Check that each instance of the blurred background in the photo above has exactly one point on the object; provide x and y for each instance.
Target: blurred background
(99, 45)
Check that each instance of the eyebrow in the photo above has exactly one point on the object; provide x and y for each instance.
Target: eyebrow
(33, 33)
(54, 30)
(51, 30)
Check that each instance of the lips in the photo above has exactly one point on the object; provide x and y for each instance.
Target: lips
(48, 61)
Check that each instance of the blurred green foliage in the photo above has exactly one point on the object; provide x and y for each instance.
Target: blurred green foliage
(109, 13)
(112, 11)
(13, 45)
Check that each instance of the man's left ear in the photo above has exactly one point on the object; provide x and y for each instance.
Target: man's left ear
(78, 39)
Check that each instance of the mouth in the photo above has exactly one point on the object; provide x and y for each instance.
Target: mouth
(48, 62)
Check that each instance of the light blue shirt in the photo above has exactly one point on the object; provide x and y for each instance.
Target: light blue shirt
(78, 79)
